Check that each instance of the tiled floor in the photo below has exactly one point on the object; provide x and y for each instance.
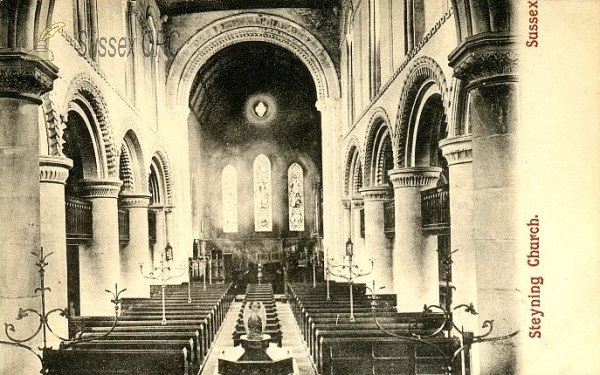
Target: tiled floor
(292, 340)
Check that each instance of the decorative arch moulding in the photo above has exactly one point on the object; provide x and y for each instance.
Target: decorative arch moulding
(246, 27)
(424, 70)
(82, 84)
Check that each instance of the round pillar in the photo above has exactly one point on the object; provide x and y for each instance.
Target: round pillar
(377, 245)
(100, 264)
(358, 239)
(415, 264)
(138, 249)
(330, 109)
(21, 86)
(489, 71)
(53, 176)
(458, 153)
(347, 205)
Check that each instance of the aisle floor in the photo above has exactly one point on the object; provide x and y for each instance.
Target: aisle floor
(292, 339)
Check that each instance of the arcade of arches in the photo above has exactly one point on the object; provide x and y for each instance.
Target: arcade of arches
(271, 134)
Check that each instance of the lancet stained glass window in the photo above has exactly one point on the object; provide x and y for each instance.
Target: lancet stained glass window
(230, 199)
(296, 197)
(263, 216)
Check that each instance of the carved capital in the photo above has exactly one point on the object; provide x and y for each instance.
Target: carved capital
(357, 202)
(485, 57)
(132, 200)
(101, 188)
(376, 193)
(414, 176)
(347, 203)
(157, 209)
(26, 79)
(54, 169)
(457, 150)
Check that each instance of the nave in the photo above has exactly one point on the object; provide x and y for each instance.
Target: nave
(190, 330)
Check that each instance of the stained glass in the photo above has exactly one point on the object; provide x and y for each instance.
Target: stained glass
(263, 216)
(296, 197)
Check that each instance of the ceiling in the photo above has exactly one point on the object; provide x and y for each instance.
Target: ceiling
(235, 80)
(175, 7)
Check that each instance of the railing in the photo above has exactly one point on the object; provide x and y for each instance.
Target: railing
(389, 218)
(123, 227)
(435, 208)
(78, 221)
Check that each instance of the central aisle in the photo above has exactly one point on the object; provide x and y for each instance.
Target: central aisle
(292, 340)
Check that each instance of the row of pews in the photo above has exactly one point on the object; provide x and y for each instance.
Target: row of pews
(141, 344)
(260, 293)
(339, 346)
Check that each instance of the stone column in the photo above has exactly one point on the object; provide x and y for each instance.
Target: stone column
(357, 239)
(330, 110)
(377, 245)
(100, 264)
(138, 249)
(488, 68)
(416, 280)
(22, 83)
(161, 235)
(458, 152)
(53, 176)
(347, 205)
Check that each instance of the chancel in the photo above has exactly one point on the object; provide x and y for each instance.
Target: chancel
(273, 186)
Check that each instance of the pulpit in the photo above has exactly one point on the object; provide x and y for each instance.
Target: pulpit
(255, 355)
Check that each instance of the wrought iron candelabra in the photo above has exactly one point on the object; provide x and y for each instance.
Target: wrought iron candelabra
(353, 273)
(43, 318)
(163, 274)
(467, 339)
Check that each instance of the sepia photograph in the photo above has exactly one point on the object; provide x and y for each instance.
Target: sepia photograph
(306, 187)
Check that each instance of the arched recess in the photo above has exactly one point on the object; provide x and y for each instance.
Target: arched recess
(246, 27)
(162, 168)
(352, 160)
(83, 90)
(83, 144)
(131, 165)
(425, 74)
(378, 150)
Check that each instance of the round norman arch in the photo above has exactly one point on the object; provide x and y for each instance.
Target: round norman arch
(251, 27)
(83, 86)
(351, 156)
(132, 164)
(163, 168)
(379, 130)
(424, 72)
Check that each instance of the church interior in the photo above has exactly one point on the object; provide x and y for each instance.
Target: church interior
(327, 179)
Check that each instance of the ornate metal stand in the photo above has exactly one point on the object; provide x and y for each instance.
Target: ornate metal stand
(43, 316)
(467, 339)
(163, 274)
(353, 273)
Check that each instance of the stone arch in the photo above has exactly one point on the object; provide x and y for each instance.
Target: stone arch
(82, 86)
(424, 73)
(54, 127)
(247, 27)
(162, 164)
(352, 155)
(132, 164)
(379, 131)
